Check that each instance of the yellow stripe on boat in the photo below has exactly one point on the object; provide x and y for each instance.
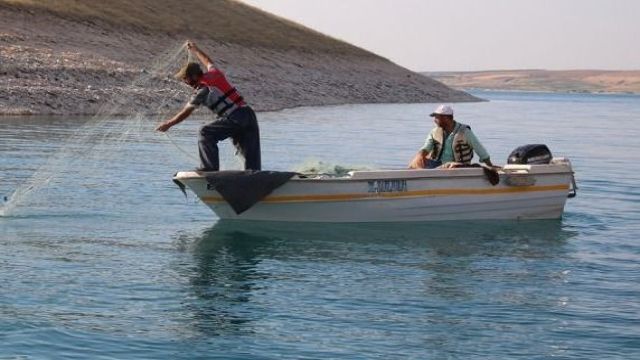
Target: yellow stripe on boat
(398, 195)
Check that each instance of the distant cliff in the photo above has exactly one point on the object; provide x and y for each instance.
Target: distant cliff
(67, 57)
(591, 81)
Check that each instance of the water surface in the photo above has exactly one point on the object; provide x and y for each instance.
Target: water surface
(108, 260)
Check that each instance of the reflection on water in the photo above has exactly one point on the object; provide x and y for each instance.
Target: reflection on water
(222, 279)
(241, 269)
(491, 238)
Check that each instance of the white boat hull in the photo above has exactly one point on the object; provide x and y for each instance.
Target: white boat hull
(524, 192)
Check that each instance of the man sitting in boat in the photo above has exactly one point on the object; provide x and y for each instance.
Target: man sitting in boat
(459, 144)
(235, 118)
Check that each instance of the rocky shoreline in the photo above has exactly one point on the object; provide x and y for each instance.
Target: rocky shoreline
(55, 65)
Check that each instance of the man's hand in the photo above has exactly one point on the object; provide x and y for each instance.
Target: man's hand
(204, 58)
(452, 165)
(164, 126)
(183, 114)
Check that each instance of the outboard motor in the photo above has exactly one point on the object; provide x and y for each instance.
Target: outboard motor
(530, 154)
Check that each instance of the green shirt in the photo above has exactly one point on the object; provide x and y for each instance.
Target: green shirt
(447, 151)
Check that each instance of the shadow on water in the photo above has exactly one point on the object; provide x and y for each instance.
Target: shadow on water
(234, 261)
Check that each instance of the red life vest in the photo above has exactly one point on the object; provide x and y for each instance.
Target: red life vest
(224, 97)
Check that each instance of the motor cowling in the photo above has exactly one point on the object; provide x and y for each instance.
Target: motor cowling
(530, 154)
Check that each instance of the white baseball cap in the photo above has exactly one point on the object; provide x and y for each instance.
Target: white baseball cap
(442, 110)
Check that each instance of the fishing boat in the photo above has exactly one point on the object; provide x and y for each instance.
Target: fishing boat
(524, 191)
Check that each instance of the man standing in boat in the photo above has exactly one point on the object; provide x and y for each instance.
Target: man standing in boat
(235, 118)
(450, 144)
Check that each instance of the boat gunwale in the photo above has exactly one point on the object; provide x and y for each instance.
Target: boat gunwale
(388, 175)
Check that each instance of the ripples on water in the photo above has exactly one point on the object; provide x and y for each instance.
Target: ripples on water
(112, 262)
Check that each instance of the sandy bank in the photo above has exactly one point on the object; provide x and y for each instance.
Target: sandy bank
(582, 81)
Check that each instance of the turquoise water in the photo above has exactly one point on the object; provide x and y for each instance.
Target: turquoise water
(104, 258)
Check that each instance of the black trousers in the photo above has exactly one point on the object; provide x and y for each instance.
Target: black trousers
(242, 127)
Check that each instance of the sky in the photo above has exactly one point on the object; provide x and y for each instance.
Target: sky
(470, 35)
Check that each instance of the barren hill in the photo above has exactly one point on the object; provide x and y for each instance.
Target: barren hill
(545, 80)
(68, 56)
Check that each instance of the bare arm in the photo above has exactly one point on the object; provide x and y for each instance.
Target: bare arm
(204, 58)
(419, 161)
(183, 114)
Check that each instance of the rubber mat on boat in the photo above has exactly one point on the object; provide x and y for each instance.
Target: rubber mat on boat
(243, 189)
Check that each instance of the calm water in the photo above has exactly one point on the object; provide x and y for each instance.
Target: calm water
(110, 261)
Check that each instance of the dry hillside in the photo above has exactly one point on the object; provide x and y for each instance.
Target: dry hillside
(545, 80)
(69, 56)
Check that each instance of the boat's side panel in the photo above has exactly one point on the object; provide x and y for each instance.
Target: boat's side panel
(421, 199)
(466, 208)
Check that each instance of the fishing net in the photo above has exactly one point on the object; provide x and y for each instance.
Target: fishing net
(110, 155)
